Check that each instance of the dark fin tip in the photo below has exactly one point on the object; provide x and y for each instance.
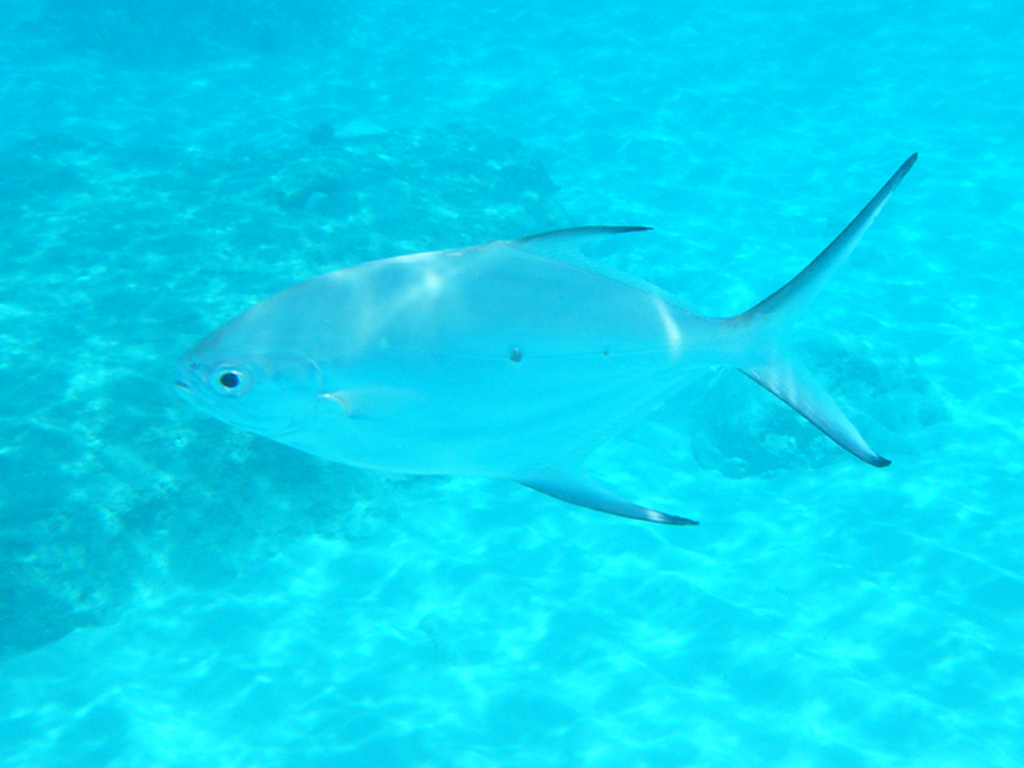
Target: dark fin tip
(878, 461)
(624, 230)
(660, 517)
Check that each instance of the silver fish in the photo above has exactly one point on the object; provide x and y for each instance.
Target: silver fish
(511, 359)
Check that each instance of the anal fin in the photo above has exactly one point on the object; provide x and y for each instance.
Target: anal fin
(581, 491)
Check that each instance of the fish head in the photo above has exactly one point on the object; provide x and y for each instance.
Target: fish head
(270, 391)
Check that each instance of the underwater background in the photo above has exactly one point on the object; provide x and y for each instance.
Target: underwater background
(175, 592)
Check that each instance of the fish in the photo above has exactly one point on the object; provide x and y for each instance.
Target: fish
(512, 359)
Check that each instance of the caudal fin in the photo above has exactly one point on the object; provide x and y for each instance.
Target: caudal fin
(776, 368)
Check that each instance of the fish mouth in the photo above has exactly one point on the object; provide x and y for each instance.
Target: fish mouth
(184, 389)
(185, 376)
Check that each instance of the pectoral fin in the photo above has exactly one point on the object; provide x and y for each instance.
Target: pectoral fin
(584, 492)
(373, 402)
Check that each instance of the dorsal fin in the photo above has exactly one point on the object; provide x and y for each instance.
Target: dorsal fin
(564, 244)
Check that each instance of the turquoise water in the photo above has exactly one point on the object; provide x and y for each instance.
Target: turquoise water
(174, 592)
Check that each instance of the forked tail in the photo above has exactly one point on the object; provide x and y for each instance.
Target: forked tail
(776, 368)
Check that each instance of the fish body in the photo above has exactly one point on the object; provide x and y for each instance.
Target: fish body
(509, 359)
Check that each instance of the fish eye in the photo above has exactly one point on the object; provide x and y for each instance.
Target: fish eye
(230, 381)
